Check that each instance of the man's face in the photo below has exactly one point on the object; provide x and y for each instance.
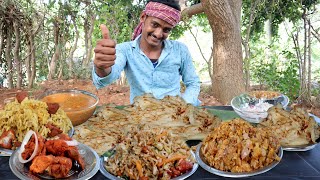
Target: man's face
(155, 30)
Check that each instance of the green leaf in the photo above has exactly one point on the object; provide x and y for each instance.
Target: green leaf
(224, 114)
(109, 153)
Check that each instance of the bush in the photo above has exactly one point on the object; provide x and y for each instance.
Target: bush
(279, 76)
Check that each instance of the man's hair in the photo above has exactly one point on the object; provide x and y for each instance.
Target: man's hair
(172, 3)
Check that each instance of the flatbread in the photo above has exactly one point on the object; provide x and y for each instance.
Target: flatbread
(171, 113)
(293, 128)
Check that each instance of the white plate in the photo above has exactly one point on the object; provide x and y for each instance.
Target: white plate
(112, 177)
(306, 147)
(210, 169)
(90, 157)
(8, 152)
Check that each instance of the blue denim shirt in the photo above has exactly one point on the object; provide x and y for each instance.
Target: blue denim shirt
(164, 79)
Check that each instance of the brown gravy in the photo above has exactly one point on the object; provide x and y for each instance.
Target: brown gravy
(70, 101)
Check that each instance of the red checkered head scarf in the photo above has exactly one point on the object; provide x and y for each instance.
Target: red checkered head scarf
(161, 11)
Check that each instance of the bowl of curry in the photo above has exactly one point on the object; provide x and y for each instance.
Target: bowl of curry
(79, 105)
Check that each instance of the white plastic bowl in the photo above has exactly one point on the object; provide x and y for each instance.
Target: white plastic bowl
(238, 104)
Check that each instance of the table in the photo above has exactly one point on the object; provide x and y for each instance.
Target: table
(294, 165)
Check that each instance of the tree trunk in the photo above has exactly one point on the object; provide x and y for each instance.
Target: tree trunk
(16, 55)
(88, 40)
(304, 59)
(1, 42)
(8, 57)
(53, 63)
(31, 58)
(246, 44)
(224, 18)
(309, 63)
(295, 39)
(74, 47)
(30, 61)
(56, 55)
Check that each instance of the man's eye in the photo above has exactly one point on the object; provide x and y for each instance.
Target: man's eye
(166, 30)
(155, 25)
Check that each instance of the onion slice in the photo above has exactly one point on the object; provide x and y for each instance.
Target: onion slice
(73, 142)
(24, 142)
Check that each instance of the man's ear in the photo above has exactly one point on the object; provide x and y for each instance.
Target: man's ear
(143, 17)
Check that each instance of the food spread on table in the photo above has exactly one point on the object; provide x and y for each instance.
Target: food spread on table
(171, 113)
(293, 128)
(148, 138)
(24, 114)
(237, 146)
(149, 154)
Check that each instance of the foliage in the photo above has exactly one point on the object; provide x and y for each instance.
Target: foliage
(275, 10)
(282, 77)
(81, 72)
(120, 17)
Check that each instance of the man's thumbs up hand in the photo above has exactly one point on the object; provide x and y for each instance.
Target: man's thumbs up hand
(105, 53)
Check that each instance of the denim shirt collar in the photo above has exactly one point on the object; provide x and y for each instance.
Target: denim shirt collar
(166, 50)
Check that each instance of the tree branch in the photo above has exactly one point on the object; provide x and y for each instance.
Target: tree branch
(192, 10)
(315, 33)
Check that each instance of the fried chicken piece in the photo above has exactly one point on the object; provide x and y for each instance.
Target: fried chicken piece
(29, 147)
(54, 130)
(20, 96)
(56, 147)
(57, 167)
(65, 137)
(41, 163)
(17, 144)
(73, 153)
(59, 147)
(52, 107)
(7, 138)
(60, 167)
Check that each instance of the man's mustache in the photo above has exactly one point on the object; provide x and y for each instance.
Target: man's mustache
(151, 34)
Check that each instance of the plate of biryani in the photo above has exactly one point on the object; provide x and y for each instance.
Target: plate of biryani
(21, 115)
(149, 154)
(297, 130)
(237, 149)
(57, 158)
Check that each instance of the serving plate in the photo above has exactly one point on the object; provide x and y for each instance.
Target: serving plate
(8, 152)
(90, 157)
(202, 163)
(306, 147)
(112, 177)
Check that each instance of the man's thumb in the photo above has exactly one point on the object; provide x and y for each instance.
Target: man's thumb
(105, 31)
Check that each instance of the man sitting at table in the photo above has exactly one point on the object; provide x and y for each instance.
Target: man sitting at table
(152, 63)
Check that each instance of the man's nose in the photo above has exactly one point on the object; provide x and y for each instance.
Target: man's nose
(158, 33)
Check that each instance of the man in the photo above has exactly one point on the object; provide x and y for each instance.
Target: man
(152, 63)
